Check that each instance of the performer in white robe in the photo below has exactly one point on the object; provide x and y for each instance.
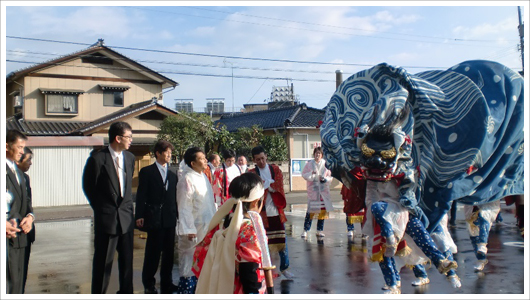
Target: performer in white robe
(196, 208)
(318, 198)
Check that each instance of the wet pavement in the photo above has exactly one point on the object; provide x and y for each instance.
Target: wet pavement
(61, 259)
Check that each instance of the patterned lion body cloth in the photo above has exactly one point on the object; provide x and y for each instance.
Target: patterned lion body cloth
(456, 134)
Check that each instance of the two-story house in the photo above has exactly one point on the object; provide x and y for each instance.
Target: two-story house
(66, 105)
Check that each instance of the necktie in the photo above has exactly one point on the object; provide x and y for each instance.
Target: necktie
(16, 174)
(118, 172)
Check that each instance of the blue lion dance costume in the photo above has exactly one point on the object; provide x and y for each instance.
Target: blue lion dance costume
(423, 141)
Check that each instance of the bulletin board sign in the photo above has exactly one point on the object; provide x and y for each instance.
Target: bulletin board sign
(297, 165)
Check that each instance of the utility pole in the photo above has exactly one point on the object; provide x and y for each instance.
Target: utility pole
(231, 64)
(521, 35)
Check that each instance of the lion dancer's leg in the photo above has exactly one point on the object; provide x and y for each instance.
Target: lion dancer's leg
(423, 240)
(421, 275)
(378, 211)
(387, 264)
(391, 275)
(479, 219)
(451, 274)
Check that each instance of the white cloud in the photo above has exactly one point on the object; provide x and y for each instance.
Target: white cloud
(203, 31)
(487, 30)
(404, 58)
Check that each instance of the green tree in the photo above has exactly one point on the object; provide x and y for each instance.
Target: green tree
(246, 138)
(223, 138)
(186, 130)
(275, 146)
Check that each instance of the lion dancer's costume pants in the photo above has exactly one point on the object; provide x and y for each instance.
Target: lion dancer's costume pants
(416, 230)
(479, 219)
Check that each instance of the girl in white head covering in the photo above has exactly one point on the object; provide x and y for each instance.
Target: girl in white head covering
(229, 258)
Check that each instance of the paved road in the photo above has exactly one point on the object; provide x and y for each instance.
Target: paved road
(62, 255)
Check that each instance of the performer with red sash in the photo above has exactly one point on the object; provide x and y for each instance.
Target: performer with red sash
(223, 176)
(272, 212)
(354, 201)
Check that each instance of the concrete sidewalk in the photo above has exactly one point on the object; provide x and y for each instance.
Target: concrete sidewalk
(295, 200)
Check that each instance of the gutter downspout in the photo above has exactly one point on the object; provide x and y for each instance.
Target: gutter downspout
(23, 94)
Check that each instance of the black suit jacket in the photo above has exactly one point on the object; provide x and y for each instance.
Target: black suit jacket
(31, 234)
(20, 206)
(112, 213)
(151, 191)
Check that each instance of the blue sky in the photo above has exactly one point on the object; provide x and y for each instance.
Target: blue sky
(361, 34)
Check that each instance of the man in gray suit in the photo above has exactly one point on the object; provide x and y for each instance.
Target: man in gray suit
(20, 214)
(107, 180)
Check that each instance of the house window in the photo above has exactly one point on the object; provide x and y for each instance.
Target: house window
(113, 95)
(113, 98)
(62, 103)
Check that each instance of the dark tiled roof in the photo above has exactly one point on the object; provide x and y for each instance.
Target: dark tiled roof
(308, 117)
(299, 116)
(43, 128)
(122, 113)
(52, 128)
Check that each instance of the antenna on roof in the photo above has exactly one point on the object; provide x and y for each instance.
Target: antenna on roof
(99, 43)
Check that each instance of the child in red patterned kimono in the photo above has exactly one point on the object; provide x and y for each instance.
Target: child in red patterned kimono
(230, 257)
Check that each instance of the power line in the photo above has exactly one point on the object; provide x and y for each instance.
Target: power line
(312, 30)
(190, 64)
(179, 72)
(219, 56)
(334, 26)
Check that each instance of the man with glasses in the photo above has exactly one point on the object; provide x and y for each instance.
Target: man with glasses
(107, 181)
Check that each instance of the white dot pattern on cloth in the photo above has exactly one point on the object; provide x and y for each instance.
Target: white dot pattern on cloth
(496, 78)
(452, 137)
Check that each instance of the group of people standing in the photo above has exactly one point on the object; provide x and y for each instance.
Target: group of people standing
(225, 218)
(203, 197)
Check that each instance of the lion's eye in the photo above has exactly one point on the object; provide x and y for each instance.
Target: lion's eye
(388, 154)
(367, 151)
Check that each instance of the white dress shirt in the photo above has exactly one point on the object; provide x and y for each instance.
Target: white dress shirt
(120, 168)
(163, 172)
(270, 208)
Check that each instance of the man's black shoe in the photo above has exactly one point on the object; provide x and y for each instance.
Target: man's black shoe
(171, 289)
(151, 290)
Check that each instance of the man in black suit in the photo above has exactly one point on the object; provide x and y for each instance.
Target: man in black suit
(107, 180)
(156, 213)
(23, 165)
(20, 212)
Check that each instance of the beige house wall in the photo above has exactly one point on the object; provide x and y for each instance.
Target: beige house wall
(297, 182)
(90, 103)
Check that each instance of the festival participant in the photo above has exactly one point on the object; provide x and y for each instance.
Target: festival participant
(419, 153)
(238, 247)
(272, 214)
(354, 205)
(479, 219)
(196, 207)
(318, 199)
(242, 163)
(223, 176)
(394, 218)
